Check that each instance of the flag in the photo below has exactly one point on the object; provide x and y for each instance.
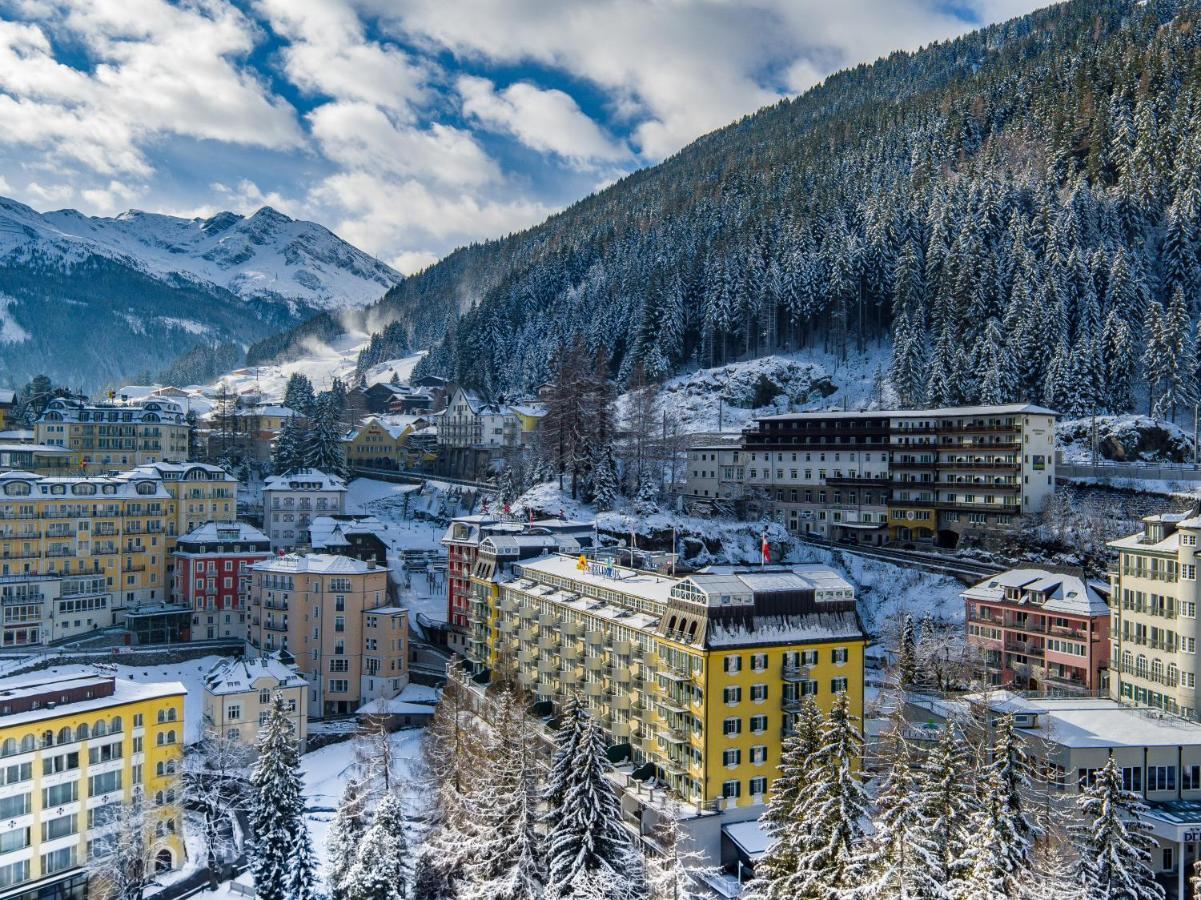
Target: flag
(531, 512)
(507, 509)
(766, 549)
(582, 563)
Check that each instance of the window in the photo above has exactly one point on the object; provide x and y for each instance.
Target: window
(338, 685)
(731, 727)
(1132, 778)
(731, 758)
(58, 860)
(60, 794)
(1190, 778)
(138, 720)
(19, 805)
(339, 623)
(14, 873)
(808, 657)
(732, 695)
(731, 790)
(758, 724)
(758, 692)
(840, 655)
(809, 687)
(732, 664)
(52, 829)
(758, 787)
(265, 695)
(137, 745)
(339, 665)
(759, 754)
(838, 685)
(106, 753)
(16, 773)
(1188, 572)
(17, 839)
(759, 662)
(1161, 778)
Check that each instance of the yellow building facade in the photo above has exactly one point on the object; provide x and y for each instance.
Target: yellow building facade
(699, 675)
(72, 753)
(110, 437)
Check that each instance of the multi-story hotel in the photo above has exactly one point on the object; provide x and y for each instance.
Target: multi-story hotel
(200, 493)
(41, 609)
(110, 437)
(1040, 631)
(239, 695)
(1153, 626)
(868, 477)
(73, 751)
(462, 541)
(292, 501)
(211, 577)
(697, 676)
(331, 613)
(117, 527)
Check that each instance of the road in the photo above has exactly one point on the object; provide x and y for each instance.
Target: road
(405, 476)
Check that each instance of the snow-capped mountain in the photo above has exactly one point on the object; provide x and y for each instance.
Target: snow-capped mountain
(94, 301)
(264, 256)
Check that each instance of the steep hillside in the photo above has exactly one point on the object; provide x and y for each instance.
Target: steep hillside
(90, 300)
(1015, 209)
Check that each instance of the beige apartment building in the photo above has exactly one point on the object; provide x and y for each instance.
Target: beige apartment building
(332, 615)
(200, 493)
(111, 437)
(1153, 628)
(871, 477)
(239, 695)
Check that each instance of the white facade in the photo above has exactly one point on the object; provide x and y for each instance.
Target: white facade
(292, 501)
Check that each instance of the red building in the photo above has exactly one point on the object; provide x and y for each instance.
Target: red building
(212, 576)
(1041, 631)
(462, 541)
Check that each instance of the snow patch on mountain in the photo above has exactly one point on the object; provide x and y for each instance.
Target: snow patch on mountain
(263, 256)
(191, 326)
(10, 331)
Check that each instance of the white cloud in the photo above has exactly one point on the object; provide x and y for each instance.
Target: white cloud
(548, 121)
(112, 198)
(247, 198)
(412, 261)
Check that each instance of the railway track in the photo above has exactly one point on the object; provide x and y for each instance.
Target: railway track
(936, 563)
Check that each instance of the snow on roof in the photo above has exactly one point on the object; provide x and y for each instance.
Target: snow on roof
(267, 409)
(224, 532)
(304, 480)
(325, 531)
(797, 629)
(237, 676)
(1064, 593)
(20, 435)
(533, 410)
(394, 706)
(394, 429)
(628, 581)
(944, 411)
(181, 469)
(124, 485)
(316, 563)
(752, 837)
(1169, 544)
(36, 448)
(124, 692)
(7, 397)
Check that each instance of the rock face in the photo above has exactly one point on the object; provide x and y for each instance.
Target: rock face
(1125, 439)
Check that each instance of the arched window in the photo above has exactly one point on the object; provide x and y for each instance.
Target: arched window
(159, 769)
(172, 713)
(115, 727)
(47, 738)
(1128, 661)
(28, 743)
(171, 736)
(1140, 666)
(158, 798)
(65, 735)
(81, 733)
(10, 747)
(100, 729)
(170, 767)
(1157, 670)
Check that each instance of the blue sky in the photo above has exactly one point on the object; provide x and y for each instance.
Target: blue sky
(409, 127)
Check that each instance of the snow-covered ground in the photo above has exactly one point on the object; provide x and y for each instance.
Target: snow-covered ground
(190, 672)
(779, 383)
(1127, 438)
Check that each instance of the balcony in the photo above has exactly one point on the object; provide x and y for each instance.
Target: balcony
(595, 689)
(596, 664)
(795, 673)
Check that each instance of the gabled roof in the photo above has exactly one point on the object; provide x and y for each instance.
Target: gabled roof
(1065, 593)
(237, 676)
(304, 480)
(224, 532)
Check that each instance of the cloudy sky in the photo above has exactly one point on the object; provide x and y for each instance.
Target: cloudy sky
(407, 126)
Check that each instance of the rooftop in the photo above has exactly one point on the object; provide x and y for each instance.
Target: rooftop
(236, 676)
(940, 412)
(224, 532)
(317, 564)
(1065, 593)
(304, 480)
(124, 692)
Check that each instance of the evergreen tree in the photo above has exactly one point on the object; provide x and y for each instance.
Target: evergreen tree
(299, 395)
(378, 872)
(323, 446)
(948, 801)
(1114, 843)
(287, 455)
(901, 861)
(604, 479)
(907, 655)
(586, 836)
(996, 369)
(342, 843)
(1119, 360)
(279, 857)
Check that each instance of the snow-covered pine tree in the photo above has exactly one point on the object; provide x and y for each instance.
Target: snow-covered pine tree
(832, 810)
(948, 800)
(508, 860)
(907, 655)
(586, 836)
(996, 370)
(287, 454)
(671, 873)
(1117, 351)
(1113, 843)
(298, 394)
(1157, 354)
(901, 861)
(647, 499)
(604, 479)
(281, 869)
(342, 842)
(567, 742)
(323, 447)
(379, 869)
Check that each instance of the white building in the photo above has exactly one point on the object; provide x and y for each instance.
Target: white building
(292, 501)
(239, 694)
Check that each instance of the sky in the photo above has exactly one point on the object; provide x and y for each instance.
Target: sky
(409, 127)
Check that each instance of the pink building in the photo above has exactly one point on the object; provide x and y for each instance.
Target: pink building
(1041, 631)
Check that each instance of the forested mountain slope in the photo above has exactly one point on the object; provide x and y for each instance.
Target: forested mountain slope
(1018, 209)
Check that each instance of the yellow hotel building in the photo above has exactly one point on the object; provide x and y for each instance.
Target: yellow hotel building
(699, 675)
(72, 752)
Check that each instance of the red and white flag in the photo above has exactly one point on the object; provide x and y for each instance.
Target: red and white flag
(766, 549)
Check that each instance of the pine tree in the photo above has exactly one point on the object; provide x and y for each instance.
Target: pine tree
(279, 860)
(323, 447)
(378, 872)
(586, 836)
(298, 394)
(342, 842)
(1119, 359)
(1113, 843)
(604, 479)
(287, 455)
(907, 655)
(671, 873)
(995, 367)
(901, 861)
(948, 800)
